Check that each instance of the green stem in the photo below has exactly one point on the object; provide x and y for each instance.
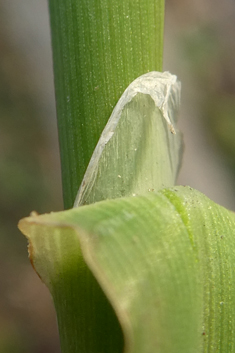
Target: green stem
(99, 48)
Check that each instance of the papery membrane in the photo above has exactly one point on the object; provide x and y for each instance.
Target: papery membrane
(114, 170)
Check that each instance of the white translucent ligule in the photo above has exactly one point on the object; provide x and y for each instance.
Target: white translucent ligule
(163, 88)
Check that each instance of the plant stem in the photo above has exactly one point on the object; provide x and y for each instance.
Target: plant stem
(99, 48)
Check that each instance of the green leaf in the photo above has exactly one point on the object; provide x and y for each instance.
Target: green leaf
(165, 261)
(140, 148)
(99, 48)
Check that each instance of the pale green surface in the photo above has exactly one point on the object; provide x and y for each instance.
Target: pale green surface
(85, 318)
(99, 48)
(165, 261)
(138, 151)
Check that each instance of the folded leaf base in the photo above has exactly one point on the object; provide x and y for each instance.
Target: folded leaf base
(165, 261)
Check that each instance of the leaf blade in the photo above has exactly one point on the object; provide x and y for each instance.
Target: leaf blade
(167, 274)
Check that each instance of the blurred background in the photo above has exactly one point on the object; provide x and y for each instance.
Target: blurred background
(199, 49)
